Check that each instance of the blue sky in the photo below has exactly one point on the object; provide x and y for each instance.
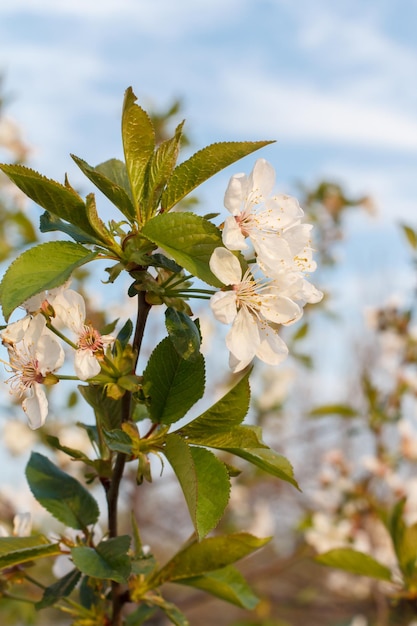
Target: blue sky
(333, 83)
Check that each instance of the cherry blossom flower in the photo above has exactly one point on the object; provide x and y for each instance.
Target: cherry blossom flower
(253, 307)
(272, 224)
(69, 307)
(15, 331)
(253, 211)
(32, 360)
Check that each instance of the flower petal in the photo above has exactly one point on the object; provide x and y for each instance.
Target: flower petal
(14, 332)
(22, 525)
(272, 349)
(261, 181)
(232, 235)
(243, 338)
(49, 353)
(225, 266)
(235, 193)
(86, 365)
(223, 305)
(35, 405)
(69, 307)
(236, 365)
(279, 309)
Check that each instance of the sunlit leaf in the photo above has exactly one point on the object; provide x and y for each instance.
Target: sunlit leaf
(203, 165)
(60, 200)
(344, 410)
(226, 413)
(172, 384)
(355, 562)
(43, 267)
(226, 583)
(138, 144)
(204, 481)
(17, 550)
(183, 333)
(189, 239)
(110, 177)
(108, 560)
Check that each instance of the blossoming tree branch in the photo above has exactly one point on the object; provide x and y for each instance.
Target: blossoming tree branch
(253, 270)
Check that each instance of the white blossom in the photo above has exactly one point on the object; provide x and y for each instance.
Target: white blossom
(272, 224)
(69, 307)
(15, 331)
(31, 360)
(22, 526)
(253, 307)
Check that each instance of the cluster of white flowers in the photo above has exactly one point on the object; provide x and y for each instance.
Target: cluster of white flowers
(274, 289)
(35, 352)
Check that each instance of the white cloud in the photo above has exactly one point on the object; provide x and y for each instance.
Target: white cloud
(152, 17)
(304, 113)
(356, 41)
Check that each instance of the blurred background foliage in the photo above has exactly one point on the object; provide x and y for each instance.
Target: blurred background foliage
(355, 459)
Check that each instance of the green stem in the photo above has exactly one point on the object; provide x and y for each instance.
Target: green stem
(34, 582)
(113, 489)
(60, 335)
(10, 596)
(187, 296)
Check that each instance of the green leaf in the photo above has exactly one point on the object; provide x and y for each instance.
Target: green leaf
(183, 333)
(108, 411)
(189, 239)
(203, 165)
(226, 583)
(62, 201)
(160, 169)
(97, 224)
(344, 410)
(172, 384)
(61, 589)
(394, 521)
(219, 427)
(211, 553)
(138, 144)
(125, 333)
(236, 437)
(204, 481)
(111, 178)
(411, 235)
(109, 560)
(17, 550)
(49, 223)
(226, 413)
(43, 267)
(355, 562)
(62, 495)
(301, 332)
(118, 441)
(72, 452)
(115, 170)
(407, 553)
(173, 613)
(267, 460)
(140, 615)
